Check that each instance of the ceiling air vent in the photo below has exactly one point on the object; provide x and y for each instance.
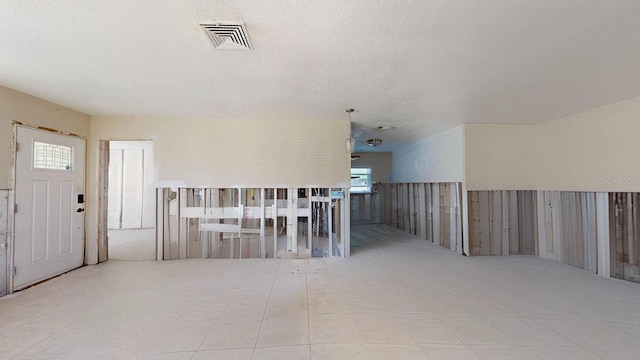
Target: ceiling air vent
(227, 35)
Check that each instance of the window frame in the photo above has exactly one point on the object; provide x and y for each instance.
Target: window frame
(369, 182)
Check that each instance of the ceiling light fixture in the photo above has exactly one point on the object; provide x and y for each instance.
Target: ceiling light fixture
(351, 142)
(386, 127)
(374, 142)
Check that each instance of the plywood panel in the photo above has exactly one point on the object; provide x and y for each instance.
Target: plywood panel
(625, 239)
(435, 205)
(527, 222)
(395, 210)
(412, 209)
(387, 207)
(501, 222)
(514, 218)
(445, 228)
(406, 212)
(422, 212)
(495, 230)
(428, 201)
(485, 222)
(455, 224)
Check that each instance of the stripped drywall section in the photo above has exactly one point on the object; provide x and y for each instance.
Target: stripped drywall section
(624, 210)
(502, 222)
(432, 211)
(236, 223)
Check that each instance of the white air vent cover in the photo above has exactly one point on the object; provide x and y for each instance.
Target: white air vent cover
(227, 34)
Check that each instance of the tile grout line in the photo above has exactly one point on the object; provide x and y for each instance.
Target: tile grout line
(264, 314)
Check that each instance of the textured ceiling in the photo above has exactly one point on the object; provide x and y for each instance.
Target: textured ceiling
(422, 66)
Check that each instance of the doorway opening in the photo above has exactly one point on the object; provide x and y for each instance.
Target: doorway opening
(130, 200)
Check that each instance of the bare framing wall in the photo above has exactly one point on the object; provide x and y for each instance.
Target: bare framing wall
(432, 211)
(225, 153)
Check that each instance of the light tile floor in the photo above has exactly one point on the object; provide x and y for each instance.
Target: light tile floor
(397, 297)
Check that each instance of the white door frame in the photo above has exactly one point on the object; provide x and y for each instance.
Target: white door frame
(103, 205)
(12, 198)
(4, 240)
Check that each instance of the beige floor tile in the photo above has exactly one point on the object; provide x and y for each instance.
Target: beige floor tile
(448, 352)
(285, 330)
(502, 352)
(441, 335)
(381, 328)
(296, 352)
(232, 336)
(562, 353)
(187, 355)
(339, 352)
(384, 351)
(333, 329)
(230, 354)
(178, 340)
(382, 302)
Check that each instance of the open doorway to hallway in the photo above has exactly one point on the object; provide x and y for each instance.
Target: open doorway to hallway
(130, 200)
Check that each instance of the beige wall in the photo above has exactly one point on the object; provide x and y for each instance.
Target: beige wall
(438, 158)
(596, 150)
(29, 110)
(379, 162)
(221, 153)
(500, 157)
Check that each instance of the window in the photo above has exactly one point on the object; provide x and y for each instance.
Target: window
(360, 180)
(52, 157)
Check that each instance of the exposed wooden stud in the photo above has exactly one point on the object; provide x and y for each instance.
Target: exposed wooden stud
(263, 248)
(330, 225)
(411, 209)
(435, 193)
(182, 225)
(485, 222)
(504, 222)
(496, 222)
(309, 223)
(456, 230)
(275, 222)
(406, 212)
(428, 201)
(346, 240)
(366, 207)
(393, 195)
(603, 236)
(388, 205)
(514, 216)
(103, 192)
(422, 211)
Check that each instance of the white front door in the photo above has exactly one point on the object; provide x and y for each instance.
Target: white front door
(49, 199)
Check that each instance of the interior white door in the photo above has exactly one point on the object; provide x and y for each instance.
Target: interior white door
(49, 198)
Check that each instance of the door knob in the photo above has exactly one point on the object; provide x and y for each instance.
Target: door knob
(80, 210)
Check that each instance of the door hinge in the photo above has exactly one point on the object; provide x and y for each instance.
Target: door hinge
(17, 147)
(15, 208)
(15, 270)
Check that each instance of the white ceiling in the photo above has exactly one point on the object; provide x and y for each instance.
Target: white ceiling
(422, 66)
